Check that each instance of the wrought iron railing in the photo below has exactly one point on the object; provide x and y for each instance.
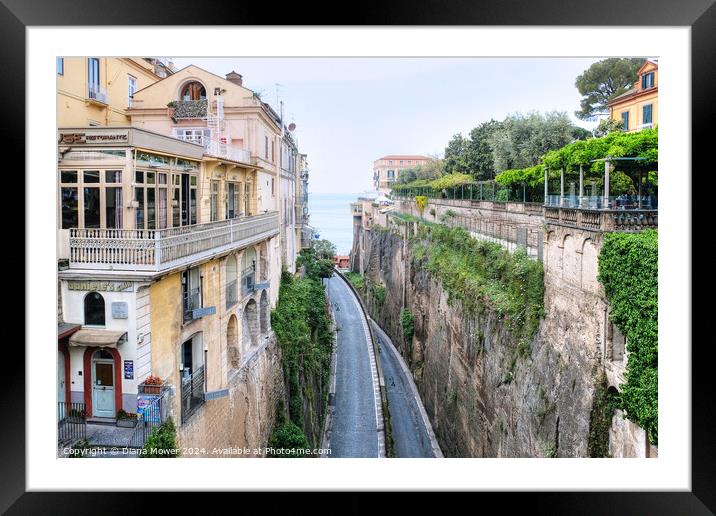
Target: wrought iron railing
(71, 422)
(149, 417)
(163, 249)
(192, 393)
(96, 92)
(248, 281)
(192, 301)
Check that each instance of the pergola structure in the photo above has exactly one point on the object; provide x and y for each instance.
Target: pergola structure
(584, 202)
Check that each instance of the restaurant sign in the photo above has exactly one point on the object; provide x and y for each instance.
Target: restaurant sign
(93, 137)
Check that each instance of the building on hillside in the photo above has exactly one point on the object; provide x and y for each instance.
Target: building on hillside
(288, 198)
(637, 108)
(170, 259)
(304, 232)
(97, 91)
(155, 286)
(387, 169)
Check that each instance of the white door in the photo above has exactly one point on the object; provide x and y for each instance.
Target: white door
(103, 387)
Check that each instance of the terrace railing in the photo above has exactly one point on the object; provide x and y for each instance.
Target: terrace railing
(602, 220)
(162, 249)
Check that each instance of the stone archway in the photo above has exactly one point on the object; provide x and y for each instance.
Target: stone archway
(250, 325)
(264, 313)
(232, 343)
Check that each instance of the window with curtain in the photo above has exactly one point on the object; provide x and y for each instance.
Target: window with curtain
(647, 80)
(647, 114)
(93, 76)
(625, 120)
(193, 91)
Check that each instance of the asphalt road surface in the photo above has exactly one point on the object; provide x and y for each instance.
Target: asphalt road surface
(354, 431)
(410, 436)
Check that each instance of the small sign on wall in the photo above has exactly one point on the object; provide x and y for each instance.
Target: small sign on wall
(119, 310)
(129, 369)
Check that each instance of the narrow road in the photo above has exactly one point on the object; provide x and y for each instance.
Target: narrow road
(410, 425)
(354, 431)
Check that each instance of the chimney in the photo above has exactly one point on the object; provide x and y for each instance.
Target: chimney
(234, 77)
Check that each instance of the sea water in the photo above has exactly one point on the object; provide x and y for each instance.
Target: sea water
(332, 219)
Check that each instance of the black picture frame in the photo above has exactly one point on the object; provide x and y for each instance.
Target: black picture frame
(700, 15)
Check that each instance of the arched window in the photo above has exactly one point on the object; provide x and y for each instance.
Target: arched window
(94, 309)
(193, 91)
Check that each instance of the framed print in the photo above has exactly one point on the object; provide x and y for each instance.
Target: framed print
(429, 251)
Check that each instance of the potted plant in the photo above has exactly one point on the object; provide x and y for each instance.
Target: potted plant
(152, 385)
(126, 419)
(171, 109)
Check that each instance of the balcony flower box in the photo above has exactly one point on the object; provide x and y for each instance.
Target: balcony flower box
(152, 385)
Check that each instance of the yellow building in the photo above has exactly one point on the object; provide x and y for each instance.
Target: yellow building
(637, 108)
(96, 91)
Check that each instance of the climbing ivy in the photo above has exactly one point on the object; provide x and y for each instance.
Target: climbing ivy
(407, 323)
(628, 269)
(303, 330)
(480, 273)
(377, 291)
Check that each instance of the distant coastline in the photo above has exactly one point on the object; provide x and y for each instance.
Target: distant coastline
(331, 217)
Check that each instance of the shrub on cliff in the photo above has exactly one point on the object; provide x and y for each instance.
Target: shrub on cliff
(480, 273)
(628, 269)
(286, 440)
(407, 323)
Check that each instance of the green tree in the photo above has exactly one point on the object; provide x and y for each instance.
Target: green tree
(478, 152)
(324, 249)
(603, 81)
(455, 154)
(522, 139)
(606, 126)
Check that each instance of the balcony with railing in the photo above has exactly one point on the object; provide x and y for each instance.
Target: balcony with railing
(157, 251)
(248, 281)
(223, 150)
(96, 93)
(192, 393)
(189, 109)
(213, 147)
(191, 302)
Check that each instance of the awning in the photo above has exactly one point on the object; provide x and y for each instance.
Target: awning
(98, 338)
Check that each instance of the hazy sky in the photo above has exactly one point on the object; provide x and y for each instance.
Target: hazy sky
(351, 111)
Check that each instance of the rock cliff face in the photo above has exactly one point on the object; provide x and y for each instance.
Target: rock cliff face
(486, 396)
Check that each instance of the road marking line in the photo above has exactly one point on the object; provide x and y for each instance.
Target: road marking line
(374, 375)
